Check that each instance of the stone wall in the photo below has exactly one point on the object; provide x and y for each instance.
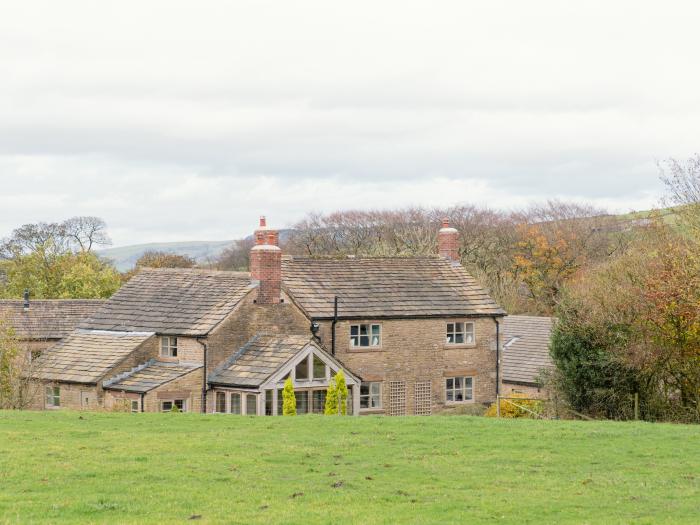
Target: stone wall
(249, 319)
(71, 396)
(187, 387)
(414, 351)
(529, 390)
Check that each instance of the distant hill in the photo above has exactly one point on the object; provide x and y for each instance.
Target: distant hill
(125, 257)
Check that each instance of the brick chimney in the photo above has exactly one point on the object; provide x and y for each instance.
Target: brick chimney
(448, 241)
(266, 267)
(262, 236)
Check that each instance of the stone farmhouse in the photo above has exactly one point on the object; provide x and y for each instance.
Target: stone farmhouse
(413, 335)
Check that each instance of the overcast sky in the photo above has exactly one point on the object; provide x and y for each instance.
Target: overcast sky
(186, 120)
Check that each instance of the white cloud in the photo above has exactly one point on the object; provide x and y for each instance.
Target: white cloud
(180, 120)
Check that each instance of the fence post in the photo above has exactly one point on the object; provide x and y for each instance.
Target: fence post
(498, 405)
(636, 406)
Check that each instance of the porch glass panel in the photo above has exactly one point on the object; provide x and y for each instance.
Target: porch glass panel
(302, 402)
(318, 401)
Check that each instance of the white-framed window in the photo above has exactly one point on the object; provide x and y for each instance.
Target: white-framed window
(53, 396)
(460, 333)
(220, 402)
(371, 395)
(167, 406)
(134, 406)
(235, 406)
(365, 335)
(168, 346)
(459, 389)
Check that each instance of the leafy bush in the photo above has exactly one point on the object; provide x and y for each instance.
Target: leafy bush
(516, 408)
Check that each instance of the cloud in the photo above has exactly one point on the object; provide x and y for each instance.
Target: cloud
(175, 120)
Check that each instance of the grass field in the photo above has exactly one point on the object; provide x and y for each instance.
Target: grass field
(70, 467)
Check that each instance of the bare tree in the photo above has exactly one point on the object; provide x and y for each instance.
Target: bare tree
(235, 257)
(682, 180)
(85, 232)
(42, 237)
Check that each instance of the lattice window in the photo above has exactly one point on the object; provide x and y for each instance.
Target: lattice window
(397, 398)
(424, 398)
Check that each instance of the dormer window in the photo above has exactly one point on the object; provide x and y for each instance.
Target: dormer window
(168, 346)
(365, 335)
(460, 333)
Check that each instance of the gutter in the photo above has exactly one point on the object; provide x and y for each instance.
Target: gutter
(335, 321)
(204, 376)
(411, 317)
(498, 357)
(143, 395)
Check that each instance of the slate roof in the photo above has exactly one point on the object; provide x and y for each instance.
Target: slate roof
(172, 301)
(255, 362)
(390, 287)
(526, 348)
(47, 318)
(149, 376)
(85, 355)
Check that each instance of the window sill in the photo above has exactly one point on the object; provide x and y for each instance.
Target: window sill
(458, 403)
(365, 349)
(370, 411)
(462, 346)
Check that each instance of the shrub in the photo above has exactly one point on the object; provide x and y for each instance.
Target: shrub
(342, 392)
(511, 411)
(331, 406)
(289, 400)
(122, 405)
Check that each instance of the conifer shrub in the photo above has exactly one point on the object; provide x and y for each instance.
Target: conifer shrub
(342, 392)
(331, 406)
(289, 400)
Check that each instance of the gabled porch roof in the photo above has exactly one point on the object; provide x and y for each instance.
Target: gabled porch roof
(266, 359)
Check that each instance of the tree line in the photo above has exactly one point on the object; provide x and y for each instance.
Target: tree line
(625, 290)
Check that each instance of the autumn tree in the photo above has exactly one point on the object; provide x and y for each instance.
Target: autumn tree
(631, 327)
(557, 240)
(16, 387)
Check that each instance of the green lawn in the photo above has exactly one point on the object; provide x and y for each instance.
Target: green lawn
(69, 467)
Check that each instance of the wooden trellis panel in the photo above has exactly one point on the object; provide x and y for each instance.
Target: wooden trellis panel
(397, 398)
(424, 398)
